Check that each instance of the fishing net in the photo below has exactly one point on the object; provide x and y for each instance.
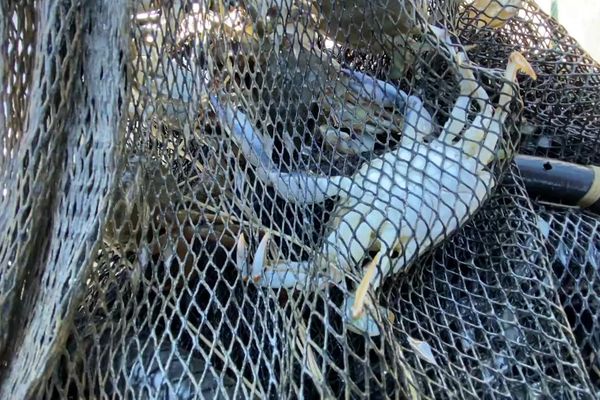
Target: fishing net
(291, 199)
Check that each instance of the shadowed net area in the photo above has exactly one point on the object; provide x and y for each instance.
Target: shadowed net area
(294, 199)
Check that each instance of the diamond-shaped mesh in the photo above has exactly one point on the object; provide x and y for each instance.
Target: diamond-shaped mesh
(573, 243)
(293, 199)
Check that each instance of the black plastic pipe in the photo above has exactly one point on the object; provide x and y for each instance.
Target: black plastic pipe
(561, 182)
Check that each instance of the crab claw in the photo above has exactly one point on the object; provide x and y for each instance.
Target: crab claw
(489, 129)
(258, 265)
(369, 88)
(516, 63)
(345, 143)
(358, 305)
(251, 142)
(259, 258)
(285, 275)
(241, 257)
(364, 323)
(523, 65)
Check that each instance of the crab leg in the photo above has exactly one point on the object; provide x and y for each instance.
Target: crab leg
(285, 275)
(364, 322)
(469, 90)
(344, 143)
(488, 120)
(293, 275)
(360, 296)
(296, 275)
(489, 129)
(369, 88)
(298, 187)
(388, 237)
(418, 121)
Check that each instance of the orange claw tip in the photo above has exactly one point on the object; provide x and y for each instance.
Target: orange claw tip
(521, 62)
(256, 279)
(391, 317)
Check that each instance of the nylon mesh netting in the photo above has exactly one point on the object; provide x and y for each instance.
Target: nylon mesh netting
(293, 199)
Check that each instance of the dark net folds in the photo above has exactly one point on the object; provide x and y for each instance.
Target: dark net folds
(293, 199)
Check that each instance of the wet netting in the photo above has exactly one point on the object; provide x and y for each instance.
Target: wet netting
(295, 199)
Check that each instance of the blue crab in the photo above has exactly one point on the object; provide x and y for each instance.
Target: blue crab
(398, 205)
